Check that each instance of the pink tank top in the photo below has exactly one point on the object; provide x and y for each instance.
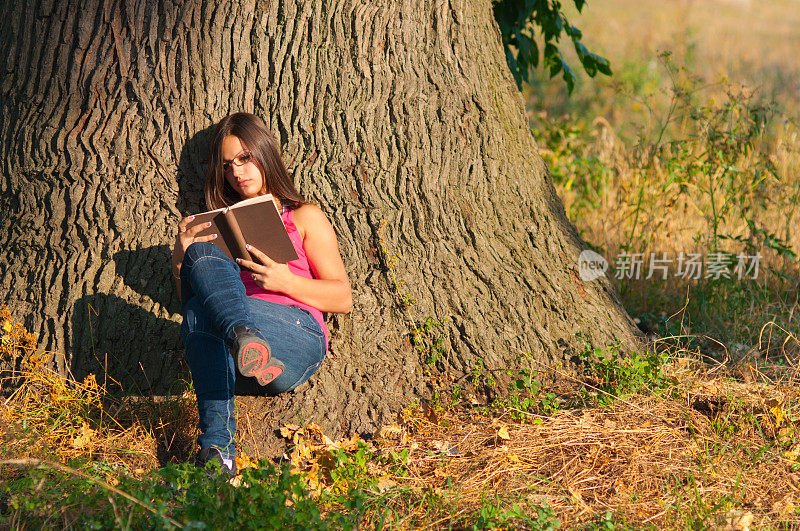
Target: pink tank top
(298, 267)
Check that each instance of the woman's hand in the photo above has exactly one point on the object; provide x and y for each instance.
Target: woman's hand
(267, 274)
(186, 236)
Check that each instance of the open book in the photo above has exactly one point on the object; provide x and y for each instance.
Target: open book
(255, 221)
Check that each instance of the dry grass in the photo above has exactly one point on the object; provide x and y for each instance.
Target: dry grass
(720, 51)
(657, 201)
(705, 452)
(648, 200)
(47, 416)
(639, 171)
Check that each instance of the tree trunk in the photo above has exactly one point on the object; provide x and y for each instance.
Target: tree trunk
(400, 119)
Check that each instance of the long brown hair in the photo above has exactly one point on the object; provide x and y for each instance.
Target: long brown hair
(255, 136)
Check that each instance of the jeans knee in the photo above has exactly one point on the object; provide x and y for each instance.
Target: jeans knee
(195, 319)
(199, 250)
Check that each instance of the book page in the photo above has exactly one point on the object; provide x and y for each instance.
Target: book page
(254, 200)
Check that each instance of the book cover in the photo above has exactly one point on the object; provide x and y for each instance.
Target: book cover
(255, 221)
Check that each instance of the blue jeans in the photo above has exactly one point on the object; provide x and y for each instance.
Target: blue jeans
(213, 301)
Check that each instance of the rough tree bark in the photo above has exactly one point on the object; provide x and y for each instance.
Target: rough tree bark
(400, 119)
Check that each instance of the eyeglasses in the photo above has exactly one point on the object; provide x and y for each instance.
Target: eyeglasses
(238, 160)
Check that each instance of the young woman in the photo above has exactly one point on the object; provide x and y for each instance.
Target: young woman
(260, 317)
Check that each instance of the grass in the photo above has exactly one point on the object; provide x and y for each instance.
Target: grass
(46, 416)
(657, 440)
(692, 147)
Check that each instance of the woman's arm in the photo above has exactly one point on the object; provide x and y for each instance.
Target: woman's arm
(330, 291)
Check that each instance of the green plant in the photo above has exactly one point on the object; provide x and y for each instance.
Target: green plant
(704, 511)
(396, 462)
(760, 237)
(574, 165)
(390, 262)
(611, 374)
(493, 515)
(526, 396)
(605, 522)
(349, 469)
(455, 395)
(360, 491)
(481, 375)
(518, 21)
(175, 496)
(428, 337)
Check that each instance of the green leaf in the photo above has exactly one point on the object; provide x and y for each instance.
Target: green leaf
(602, 65)
(518, 21)
(512, 64)
(568, 76)
(552, 59)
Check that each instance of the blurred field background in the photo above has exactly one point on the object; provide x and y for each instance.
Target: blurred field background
(725, 42)
(692, 146)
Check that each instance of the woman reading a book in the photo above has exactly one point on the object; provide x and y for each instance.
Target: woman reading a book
(262, 317)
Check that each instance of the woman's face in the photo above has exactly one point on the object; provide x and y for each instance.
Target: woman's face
(240, 168)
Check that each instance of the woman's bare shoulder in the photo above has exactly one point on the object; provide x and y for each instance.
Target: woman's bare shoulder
(309, 217)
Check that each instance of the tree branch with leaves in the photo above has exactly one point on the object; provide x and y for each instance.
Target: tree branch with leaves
(518, 21)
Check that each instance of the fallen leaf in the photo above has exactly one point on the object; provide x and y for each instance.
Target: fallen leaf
(444, 447)
(384, 484)
(392, 431)
(783, 507)
(288, 430)
(503, 433)
(430, 413)
(777, 410)
(792, 452)
(738, 520)
(85, 438)
(244, 461)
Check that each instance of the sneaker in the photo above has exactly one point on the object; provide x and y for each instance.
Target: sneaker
(213, 455)
(253, 355)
